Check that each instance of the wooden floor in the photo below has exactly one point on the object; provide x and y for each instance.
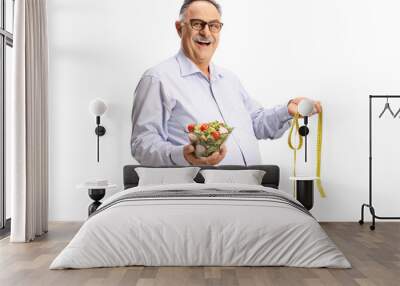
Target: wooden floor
(374, 255)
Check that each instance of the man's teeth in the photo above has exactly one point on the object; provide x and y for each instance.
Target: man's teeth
(204, 42)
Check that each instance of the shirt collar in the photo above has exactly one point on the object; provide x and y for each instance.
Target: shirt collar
(187, 67)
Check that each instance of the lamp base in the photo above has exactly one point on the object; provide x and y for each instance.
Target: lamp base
(100, 130)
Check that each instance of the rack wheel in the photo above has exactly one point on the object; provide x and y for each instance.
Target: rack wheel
(361, 222)
(372, 227)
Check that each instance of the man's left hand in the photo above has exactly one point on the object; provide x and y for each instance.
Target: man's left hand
(293, 106)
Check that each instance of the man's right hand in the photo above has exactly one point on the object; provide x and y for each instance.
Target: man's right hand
(214, 159)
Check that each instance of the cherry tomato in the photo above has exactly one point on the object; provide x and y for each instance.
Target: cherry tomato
(190, 127)
(204, 127)
(216, 135)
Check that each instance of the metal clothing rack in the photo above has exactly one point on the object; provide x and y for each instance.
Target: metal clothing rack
(370, 205)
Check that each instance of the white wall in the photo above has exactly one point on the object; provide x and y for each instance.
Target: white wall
(336, 51)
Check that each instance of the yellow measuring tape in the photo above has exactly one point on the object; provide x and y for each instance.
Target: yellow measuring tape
(295, 125)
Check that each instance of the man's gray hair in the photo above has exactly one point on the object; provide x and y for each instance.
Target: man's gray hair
(186, 4)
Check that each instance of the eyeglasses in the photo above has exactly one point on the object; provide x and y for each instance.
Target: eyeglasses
(199, 25)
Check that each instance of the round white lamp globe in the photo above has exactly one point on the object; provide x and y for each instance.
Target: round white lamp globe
(97, 107)
(306, 107)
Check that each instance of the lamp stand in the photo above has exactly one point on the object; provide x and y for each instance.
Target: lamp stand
(100, 131)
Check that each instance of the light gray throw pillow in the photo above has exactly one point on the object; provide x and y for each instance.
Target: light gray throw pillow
(248, 177)
(164, 176)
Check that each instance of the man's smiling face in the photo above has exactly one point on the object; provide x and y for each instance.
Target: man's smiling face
(199, 46)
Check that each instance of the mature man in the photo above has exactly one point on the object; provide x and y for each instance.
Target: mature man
(188, 88)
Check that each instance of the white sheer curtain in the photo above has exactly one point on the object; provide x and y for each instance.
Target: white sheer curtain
(28, 160)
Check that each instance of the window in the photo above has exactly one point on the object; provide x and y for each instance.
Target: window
(6, 44)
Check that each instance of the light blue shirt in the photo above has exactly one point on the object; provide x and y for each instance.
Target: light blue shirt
(176, 93)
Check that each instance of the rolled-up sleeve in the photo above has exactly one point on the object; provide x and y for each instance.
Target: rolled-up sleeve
(150, 114)
(267, 123)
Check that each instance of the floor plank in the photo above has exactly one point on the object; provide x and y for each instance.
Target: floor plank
(374, 255)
